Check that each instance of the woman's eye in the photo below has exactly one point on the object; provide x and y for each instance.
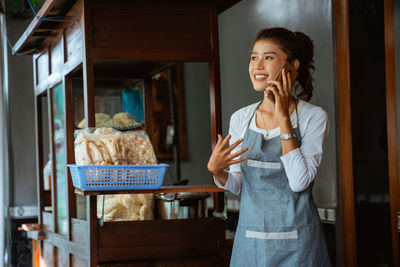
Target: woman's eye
(253, 58)
(268, 57)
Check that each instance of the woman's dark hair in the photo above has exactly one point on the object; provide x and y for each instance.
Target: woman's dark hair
(296, 45)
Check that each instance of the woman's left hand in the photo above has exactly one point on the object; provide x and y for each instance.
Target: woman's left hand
(283, 94)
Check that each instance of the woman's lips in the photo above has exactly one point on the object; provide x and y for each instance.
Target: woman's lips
(260, 77)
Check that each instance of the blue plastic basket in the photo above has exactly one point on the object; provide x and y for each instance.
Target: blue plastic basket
(117, 177)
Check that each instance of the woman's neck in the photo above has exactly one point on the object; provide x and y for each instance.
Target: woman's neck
(268, 106)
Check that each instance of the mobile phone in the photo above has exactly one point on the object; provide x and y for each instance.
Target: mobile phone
(289, 68)
(278, 77)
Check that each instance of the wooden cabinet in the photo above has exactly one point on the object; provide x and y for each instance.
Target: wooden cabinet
(74, 45)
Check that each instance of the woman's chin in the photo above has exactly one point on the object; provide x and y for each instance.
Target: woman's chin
(259, 89)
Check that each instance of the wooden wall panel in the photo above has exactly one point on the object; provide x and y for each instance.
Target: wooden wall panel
(74, 41)
(48, 255)
(62, 258)
(48, 221)
(164, 29)
(159, 239)
(77, 262)
(42, 65)
(79, 231)
(57, 57)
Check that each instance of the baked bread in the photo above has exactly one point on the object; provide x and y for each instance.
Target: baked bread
(107, 146)
(139, 150)
(102, 120)
(124, 207)
(123, 119)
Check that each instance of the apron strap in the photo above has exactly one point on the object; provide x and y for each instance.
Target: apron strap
(252, 115)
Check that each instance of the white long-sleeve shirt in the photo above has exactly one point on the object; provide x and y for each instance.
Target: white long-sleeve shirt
(301, 163)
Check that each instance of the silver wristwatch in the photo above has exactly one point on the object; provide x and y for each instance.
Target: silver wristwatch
(287, 136)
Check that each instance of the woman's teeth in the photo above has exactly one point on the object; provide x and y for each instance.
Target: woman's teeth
(260, 76)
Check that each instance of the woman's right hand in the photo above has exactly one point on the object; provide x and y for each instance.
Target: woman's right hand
(221, 156)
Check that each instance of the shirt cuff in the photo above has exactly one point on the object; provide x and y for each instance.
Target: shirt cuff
(227, 185)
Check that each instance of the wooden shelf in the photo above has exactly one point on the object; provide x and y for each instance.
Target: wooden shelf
(112, 45)
(163, 189)
(34, 41)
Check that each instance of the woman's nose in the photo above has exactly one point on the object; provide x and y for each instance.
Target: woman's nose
(259, 65)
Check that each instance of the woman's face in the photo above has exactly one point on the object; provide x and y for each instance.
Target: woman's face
(265, 61)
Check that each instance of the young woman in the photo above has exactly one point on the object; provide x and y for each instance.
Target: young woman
(275, 150)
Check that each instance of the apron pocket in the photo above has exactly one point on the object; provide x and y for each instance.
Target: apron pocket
(274, 246)
(265, 169)
(264, 164)
(276, 239)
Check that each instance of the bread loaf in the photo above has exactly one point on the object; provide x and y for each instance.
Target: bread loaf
(123, 119)
(105, 120)
(102, 120)
(109, 147)
(106, 146)
(125, 207)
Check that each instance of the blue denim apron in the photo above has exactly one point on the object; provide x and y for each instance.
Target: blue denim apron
(277, 227)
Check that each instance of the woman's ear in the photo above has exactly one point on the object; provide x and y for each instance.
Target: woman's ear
(296, 63)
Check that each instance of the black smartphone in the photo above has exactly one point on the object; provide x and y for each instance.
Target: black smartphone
(278, 77)
(289, 68)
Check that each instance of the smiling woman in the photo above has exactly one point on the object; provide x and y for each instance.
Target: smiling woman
(275, 150)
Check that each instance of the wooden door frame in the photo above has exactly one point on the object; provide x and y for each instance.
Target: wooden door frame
(345, 154)
(391, 114)
(347, 235)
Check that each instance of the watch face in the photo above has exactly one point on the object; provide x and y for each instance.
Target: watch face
(286, 136)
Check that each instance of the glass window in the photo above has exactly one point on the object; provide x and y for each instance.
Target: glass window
(60, 157)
